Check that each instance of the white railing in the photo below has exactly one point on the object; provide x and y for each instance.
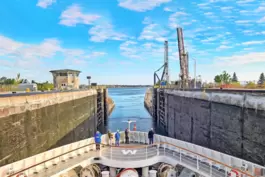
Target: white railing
(202, 160)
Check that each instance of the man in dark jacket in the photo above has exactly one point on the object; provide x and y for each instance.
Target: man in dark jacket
(151, 136)
(127, 136)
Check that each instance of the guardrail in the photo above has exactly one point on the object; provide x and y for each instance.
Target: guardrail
(200, 159)
(224, 90)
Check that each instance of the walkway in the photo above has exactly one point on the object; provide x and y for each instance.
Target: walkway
(57, 161)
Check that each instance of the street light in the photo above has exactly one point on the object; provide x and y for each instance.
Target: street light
(88, 78)
(194, 72)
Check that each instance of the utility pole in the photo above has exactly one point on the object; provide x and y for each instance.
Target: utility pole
(166, 62)
(195, 85)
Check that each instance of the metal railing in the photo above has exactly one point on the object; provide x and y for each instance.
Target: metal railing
(207, 163)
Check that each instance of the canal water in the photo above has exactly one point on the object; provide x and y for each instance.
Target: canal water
(129, 104)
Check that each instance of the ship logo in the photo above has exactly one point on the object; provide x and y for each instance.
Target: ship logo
(132, 152)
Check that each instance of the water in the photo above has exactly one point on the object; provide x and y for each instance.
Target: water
(129, 104)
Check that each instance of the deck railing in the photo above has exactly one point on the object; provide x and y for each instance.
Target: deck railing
(202, 160)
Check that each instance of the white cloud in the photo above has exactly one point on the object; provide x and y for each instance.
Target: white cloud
(204, 6)
(147, 20)
(253, 57)
(243, 22)
(212, 39)
(25, 55)
(135, 50)
(167, 9)
(223, 47)
(153, 32)
(262, 20)
(141, 5)
(260, 9)
(73, 15)
(45, 3)
(95, 54)
(105, 31)
(174, 19)
(253, 42)
(244, 2)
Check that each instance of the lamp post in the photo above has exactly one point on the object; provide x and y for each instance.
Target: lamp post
(88, 78)
(194, 72)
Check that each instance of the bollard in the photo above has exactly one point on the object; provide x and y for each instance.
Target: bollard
(112, 172)
(145, 171)
(105, 173)
(152, 173)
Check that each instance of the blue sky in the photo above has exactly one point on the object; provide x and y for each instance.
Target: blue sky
(121, 41)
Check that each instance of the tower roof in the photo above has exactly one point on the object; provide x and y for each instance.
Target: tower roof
(64, 71)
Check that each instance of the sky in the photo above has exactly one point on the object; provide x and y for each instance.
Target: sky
(122, 41)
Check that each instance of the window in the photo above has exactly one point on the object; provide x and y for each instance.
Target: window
(63, 74)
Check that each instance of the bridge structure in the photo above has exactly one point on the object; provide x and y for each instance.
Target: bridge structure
(138, 154)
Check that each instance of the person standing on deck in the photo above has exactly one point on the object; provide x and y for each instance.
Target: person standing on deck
(97, 138)
(110, 137)
(117, 138)
(127, 136)
(151, 136)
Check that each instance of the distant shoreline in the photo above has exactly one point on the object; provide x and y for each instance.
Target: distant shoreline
(127, 86)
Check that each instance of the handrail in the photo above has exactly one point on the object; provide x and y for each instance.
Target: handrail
(241, 171)
(137, 146)
(16, 173)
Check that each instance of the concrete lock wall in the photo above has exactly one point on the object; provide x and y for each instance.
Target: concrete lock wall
(230, 123)
(34, 123)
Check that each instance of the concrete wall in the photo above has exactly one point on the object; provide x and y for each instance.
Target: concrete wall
(229, 123)
(148, 100)
(35, 123)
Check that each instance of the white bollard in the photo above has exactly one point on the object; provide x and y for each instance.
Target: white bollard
(105, 173)
(112, 172)
(145, 171)
(152, 173)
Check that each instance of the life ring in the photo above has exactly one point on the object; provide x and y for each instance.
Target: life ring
(21, 175)
(234, 171)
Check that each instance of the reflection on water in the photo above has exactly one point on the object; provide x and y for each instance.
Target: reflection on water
(129, 104)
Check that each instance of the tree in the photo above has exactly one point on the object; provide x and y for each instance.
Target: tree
(217, 79)
(261, 79)
(234, 79)
(250, 85)
(223, 78)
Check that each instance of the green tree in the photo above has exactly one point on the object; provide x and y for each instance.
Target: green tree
(217, 79)
(224, 78)
(261, 79)
(234, 78)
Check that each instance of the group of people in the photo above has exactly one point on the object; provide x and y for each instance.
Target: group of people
(98, 135)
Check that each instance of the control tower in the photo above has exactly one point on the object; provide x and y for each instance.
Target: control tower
(66, 78)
